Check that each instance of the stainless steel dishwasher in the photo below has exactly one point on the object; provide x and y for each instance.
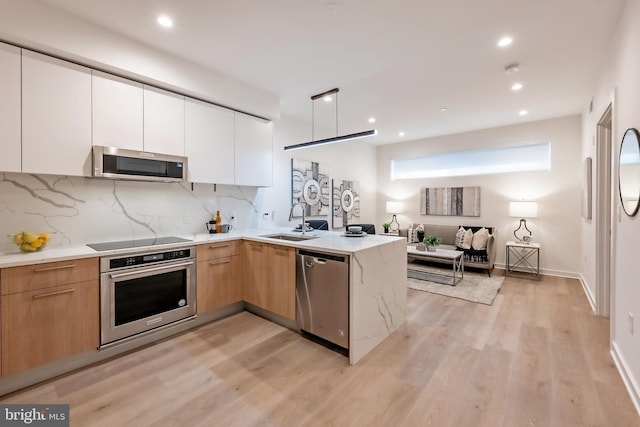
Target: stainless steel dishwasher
(322, 296)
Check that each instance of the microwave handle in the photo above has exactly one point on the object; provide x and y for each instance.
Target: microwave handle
(150, 270)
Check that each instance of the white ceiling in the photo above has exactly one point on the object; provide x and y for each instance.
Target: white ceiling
(398, 61)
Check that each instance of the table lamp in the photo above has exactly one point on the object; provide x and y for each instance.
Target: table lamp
(523, 210)
(394, 208)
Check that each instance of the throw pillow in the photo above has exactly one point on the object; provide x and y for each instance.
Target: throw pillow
(460, 237)
(480, 238)
(411, 234)
(468, 239)
(419, 230)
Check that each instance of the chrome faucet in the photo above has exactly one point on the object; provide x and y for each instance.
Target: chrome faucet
(302, 206)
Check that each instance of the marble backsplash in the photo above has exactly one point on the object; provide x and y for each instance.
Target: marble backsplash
(78, 210)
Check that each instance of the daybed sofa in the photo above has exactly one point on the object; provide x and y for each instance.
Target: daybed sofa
(473, 258)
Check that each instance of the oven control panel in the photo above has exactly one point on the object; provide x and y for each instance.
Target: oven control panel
(149, 258)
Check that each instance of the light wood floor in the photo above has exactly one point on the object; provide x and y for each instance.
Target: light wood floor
(537, 357)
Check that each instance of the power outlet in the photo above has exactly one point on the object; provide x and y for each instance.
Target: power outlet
(266, 216)
(631, 323)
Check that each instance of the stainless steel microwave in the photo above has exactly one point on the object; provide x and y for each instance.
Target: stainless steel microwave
(119, 163)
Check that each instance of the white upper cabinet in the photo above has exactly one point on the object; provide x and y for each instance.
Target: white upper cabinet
(10, 134)
(116, 112)
(56, 116)
(253, 151)
(163, 121)
(209, 140)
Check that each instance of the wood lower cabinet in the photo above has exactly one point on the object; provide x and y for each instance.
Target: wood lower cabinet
(282, 281)
(218, 283)
(270, 277)
(49, 312)
(255, 265)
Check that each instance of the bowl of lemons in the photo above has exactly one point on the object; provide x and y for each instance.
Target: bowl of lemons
(31, 242)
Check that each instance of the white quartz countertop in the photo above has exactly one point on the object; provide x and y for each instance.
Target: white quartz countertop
(330, 241)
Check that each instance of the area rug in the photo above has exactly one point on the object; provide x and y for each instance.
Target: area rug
(475, 287)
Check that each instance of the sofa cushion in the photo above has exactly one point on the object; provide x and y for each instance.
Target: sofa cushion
(480, 238)
(460, 237)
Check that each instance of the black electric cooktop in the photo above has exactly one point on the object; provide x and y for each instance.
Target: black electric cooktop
(126, 244)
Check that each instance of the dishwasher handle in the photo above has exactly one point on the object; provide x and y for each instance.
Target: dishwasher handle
(322, 258)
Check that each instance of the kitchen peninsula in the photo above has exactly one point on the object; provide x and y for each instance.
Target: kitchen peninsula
(377, 291)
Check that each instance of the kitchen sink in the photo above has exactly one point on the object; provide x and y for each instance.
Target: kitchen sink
(290, 237)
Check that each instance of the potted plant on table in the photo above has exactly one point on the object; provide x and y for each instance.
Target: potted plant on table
(431, 242)
(386, 226)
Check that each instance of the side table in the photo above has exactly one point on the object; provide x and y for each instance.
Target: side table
(523, 258)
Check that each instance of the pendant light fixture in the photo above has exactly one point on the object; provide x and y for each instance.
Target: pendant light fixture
(337, 138)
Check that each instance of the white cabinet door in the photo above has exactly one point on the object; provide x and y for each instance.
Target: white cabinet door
(209, 141)
(10, 134)
(163, 122)
(254, 151)
(56, 116)
(116, 112)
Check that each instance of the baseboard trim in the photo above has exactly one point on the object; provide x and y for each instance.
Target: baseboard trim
(627, 379)
(587, 292)
(548, 272)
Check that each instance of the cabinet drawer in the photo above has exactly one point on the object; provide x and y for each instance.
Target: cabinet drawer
(217, 250)
(39, 276)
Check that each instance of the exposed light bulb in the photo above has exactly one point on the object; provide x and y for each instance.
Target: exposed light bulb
(372, 119)
(523, 112)
(401, 134)
(327, 98)
(516, 86)
(443, 109)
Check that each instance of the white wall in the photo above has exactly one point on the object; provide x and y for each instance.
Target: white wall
(558, 191)
(620, 77)
(353, 161)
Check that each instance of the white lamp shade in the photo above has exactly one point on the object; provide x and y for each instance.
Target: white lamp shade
(395, 207)
(523, 209)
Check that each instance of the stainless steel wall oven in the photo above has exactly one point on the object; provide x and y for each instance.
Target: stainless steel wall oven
(144, 291)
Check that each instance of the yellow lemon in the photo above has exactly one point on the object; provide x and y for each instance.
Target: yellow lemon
(17, 239)
(29, 237)
(26, 247)
(44, 237)
(37, 243)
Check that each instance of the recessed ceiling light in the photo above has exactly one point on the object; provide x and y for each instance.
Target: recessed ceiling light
(443, 109)
(516, 86)
(165, 21)
(523, 112)
(505, 41)
(401, 134)
(327, 98)
(372, 119)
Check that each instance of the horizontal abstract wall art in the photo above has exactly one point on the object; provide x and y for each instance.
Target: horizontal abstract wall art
(450, 201)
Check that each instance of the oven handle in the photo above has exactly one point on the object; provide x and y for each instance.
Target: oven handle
(150, 270)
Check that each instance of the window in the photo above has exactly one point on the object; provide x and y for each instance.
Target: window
(531, 157)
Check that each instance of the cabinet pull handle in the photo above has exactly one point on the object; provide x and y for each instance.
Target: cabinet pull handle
(60, 267)
(50, 294)
(222, 261)
(218, 246)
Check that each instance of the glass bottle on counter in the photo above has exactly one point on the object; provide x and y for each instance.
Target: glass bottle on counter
(218, 222)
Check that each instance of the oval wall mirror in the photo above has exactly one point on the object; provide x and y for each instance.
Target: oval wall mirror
(629, 171)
